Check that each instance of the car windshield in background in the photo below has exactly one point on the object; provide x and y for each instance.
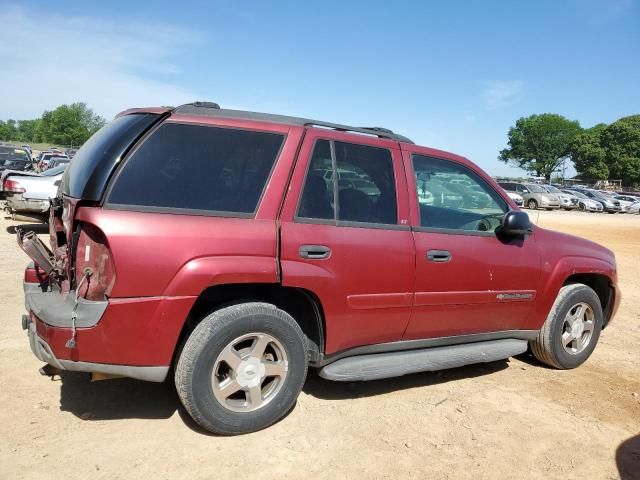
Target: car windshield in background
(54, 171)
(552, 189)
(579, 195)
(535, 188)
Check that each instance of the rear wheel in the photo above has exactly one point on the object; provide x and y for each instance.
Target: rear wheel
(572, 329)
(242, 368)
(532, 204)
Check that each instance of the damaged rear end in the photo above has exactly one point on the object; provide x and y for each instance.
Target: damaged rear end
(69, 282)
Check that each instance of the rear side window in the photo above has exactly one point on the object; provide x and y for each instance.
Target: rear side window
(361, 175)
(198, 168)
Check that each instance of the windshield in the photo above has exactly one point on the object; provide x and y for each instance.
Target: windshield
(578, 194)
(553, 189)
(535, 188)
(52, 172)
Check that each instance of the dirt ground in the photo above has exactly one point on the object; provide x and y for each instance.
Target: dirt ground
(513, 419)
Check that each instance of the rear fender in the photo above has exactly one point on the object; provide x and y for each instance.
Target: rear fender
(201, 273)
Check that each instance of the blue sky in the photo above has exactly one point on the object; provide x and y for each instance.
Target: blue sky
(451, 75)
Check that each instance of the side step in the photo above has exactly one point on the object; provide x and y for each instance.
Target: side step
(395, 364)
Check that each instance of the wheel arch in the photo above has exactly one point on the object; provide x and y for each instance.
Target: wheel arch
(303, 305)
(599, 283)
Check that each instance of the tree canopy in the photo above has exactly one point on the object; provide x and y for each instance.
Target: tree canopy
(588, 153)
(66, 125)
(539, 143)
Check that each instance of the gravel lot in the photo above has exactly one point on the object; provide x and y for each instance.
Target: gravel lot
(514, 419)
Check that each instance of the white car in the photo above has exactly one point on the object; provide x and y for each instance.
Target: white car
(629, 203)
(31, 192)
(585, 203)
(516, 198)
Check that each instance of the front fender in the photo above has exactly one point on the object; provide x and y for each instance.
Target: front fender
(555, 276)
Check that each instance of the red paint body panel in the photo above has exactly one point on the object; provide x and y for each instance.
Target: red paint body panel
(154, 251)
(368, 266)
(141, 331)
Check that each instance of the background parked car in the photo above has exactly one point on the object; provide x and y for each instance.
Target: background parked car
(44, 163)
(585, 203)
(516, 198)
(31, 193)
(13, 157)
(609, 205)
(534, 196)
(567, 202)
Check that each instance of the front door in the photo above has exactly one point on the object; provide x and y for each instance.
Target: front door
(468, 279)
(345, 236)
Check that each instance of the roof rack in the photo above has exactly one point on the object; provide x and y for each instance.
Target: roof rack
(212, 109)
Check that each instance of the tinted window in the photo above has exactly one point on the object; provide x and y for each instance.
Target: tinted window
(451, 196)
(195, 167)
(93, 164)
(365, 184)
(369, 195)
(317, 196)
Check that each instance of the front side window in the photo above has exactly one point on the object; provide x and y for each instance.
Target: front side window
(451, 196)
(350, 183)
(192, 167)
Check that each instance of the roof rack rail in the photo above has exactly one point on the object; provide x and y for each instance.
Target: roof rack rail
(212, 109)
(377, 131)
(201, 104)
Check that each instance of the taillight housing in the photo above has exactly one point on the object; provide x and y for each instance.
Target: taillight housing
(95, 272)
(12, 186)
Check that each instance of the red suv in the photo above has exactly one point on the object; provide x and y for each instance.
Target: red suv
(236, 249)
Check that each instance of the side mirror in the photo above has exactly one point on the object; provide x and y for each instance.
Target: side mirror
(516, 222)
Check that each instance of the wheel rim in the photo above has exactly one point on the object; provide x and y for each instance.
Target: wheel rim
(578, 328)
(532, 204)
(249, 372)
(582, 207)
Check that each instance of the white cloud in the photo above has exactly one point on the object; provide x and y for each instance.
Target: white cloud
(111, 66)
(501, 94)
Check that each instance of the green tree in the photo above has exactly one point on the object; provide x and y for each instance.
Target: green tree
(539, 143)
(26, 130)
(69, 124)
(621, 141)
(8, 130)
(588, 153)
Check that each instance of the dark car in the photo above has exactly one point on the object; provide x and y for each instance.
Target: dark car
(210, 244)
(14, 158)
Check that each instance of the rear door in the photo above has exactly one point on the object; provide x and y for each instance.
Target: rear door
(346, 238)
(468, 280)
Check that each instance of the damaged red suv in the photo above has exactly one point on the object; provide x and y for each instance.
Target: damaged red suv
(237, 249)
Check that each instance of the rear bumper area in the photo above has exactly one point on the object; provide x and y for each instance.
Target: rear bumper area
(134, 337)
(42, 351)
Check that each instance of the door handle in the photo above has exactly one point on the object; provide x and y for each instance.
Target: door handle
(315, 252)
(441, 256)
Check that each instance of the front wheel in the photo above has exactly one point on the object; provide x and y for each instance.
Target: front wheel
(572, 329)
(242, 368)
(532, 204)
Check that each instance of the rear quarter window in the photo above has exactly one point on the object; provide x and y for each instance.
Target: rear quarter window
(192, 168)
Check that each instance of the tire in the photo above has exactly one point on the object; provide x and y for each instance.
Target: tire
(532, 204)
(582, 207)
(548, 346)
(240, 328)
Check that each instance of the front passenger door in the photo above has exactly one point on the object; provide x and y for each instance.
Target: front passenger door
(468, 280)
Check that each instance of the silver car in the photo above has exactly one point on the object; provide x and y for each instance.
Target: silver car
(567, 202)
(534, 195)
(31, 193)
(585, 203)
